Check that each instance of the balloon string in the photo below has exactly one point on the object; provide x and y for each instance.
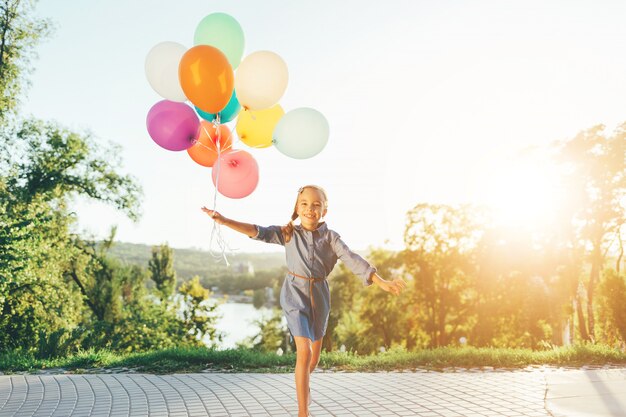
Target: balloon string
(216, 230)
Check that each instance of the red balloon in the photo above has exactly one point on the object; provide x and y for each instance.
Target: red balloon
(206, 78)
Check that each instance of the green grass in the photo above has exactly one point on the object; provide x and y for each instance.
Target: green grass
(199, 359)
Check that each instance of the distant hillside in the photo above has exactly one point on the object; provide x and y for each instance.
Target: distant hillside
(190, 262)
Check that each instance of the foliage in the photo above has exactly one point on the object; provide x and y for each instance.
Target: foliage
(20, 32)
(440, 241)
(161, 267)
(198, 314)
(612, 295)
(273, 334)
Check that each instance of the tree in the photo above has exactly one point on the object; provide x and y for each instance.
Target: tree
(273, 334)
(162, 272)
(19, 34)
(612, 293)
(596, 179)
(199, 316)
(43, 167)
(344, 287)
(383, 315)
(440, 241)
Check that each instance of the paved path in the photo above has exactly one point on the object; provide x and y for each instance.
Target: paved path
(465, 394)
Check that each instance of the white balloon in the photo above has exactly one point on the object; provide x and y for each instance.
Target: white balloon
(162, 70)
(261, 80)
(301, 133)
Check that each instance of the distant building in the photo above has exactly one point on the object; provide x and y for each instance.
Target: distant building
(243, 268)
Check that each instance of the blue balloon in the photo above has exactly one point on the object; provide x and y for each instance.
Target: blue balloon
(227, 114)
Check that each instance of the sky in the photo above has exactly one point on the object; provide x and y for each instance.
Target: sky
(427, 101)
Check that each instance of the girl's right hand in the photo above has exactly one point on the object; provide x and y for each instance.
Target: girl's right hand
(217, 218)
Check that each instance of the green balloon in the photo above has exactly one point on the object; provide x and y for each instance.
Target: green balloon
(223, 32)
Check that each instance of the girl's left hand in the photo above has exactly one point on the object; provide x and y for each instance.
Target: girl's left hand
(396, 286)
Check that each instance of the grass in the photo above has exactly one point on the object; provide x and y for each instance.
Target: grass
(198, 359)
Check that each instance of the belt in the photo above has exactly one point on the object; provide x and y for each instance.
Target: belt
(311, 280)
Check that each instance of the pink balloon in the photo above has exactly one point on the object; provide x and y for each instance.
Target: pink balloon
(238, 174)
(172, 125)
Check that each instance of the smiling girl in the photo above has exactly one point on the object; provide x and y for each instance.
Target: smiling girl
(311, 250)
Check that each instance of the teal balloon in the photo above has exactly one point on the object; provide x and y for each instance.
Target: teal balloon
(223, 32)
(301, 133)
(227, 114)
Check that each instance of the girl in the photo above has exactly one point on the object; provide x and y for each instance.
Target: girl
(312, 250)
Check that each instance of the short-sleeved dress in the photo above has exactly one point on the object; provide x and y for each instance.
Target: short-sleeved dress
(311, 256)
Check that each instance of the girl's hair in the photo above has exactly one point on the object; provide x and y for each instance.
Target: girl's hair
(288, 228)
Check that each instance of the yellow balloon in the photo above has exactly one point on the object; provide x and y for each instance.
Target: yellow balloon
(256, 127)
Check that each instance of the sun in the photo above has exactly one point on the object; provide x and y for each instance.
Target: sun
(522, 192)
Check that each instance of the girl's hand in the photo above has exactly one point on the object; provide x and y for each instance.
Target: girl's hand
(217, 218)
(396, 286)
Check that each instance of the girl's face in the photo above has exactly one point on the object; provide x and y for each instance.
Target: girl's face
(311, 207)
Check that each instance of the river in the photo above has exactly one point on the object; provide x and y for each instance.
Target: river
(236, 323)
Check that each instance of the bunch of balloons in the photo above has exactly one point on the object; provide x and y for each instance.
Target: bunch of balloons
(221, 87)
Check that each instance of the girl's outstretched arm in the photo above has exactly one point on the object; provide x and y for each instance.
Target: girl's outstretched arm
(245, 228)
(395, 286)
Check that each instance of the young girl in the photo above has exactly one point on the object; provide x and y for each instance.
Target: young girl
(312, 250)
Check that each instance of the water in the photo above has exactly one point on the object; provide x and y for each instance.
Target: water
(236, 323)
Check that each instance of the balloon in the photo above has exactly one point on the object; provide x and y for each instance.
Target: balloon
(301, 133)
(162, 70)
(205, 151)
(236, 175)
(206, 77)
(255, 127)
(229, 112)
(261, 80)
(173, 126)
(223, 32)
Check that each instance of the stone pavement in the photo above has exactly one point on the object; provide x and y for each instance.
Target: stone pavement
(544, 392)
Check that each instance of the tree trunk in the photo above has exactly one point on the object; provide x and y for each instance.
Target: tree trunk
(621, 251)
(582, 323)
(596, 266)
(99, 314)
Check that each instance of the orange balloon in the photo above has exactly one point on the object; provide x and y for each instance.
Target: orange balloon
(206, 78)
(204, 151)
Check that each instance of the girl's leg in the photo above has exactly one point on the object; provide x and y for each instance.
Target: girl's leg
(303, 362)
(316, 348)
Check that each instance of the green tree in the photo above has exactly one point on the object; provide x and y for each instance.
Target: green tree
(43, 168)
(595, 179)
(273, 334)
(20, 32)
(371, 318)
(440, 241)
(162, 272)
(259, 298)
(612, 294)
(198, 314)
(344, 288)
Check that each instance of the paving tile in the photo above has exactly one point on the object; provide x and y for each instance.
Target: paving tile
(422, 394)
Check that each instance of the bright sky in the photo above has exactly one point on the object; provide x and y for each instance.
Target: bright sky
(426, 101)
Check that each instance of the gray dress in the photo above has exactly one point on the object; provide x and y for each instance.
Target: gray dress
(311, 256)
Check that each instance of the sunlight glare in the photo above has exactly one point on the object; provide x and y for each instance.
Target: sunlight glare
(522, 193)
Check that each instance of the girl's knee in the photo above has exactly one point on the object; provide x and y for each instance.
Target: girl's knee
(303, 349)
(304, 354)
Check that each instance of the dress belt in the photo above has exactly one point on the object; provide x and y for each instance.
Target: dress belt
(311, 280)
